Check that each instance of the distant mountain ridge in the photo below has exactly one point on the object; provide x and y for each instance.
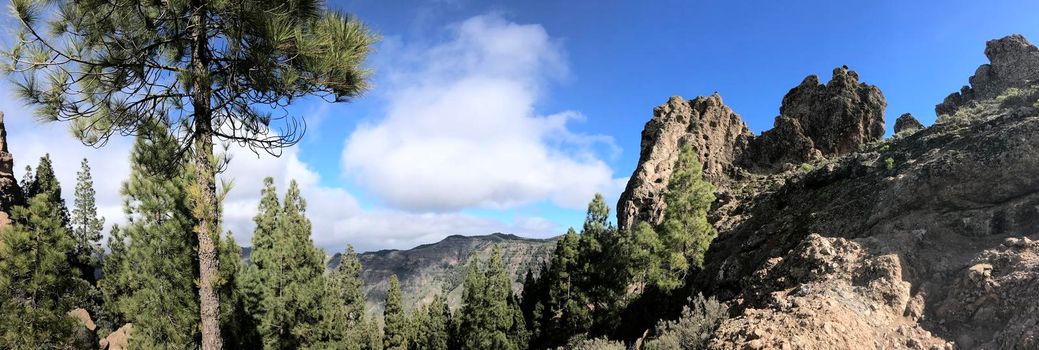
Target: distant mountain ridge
(434, 268)
(431, 269)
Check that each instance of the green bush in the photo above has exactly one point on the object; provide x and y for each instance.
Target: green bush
(694, 329)
(579, 343)
(889, 163)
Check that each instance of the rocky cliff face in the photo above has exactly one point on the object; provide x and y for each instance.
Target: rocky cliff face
(10, 193)
(922, 241)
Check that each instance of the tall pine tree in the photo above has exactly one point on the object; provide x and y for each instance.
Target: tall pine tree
(151, 275)
(36, 288)
(431, 324)
(395, 334)
(490, 317)
(285, 283)
(685, 232)
(343, 321)
(86, 225)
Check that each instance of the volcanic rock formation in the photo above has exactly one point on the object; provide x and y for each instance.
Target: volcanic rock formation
(10, 193)
(1014, 63)
(815, 121)
(923, 241)
(906, 123)
(717, 133)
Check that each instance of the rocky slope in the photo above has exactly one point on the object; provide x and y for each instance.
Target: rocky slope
(831, 238)
(431, 269)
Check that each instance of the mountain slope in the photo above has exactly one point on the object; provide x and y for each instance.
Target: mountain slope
(431, 269)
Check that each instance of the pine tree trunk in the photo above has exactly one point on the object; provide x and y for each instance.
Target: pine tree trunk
(205, 178)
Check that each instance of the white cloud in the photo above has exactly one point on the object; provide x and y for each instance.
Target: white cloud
(337, 217)
(29, 140)
(461, 130)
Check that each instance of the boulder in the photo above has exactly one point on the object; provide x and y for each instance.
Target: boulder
(1013, 63)
(118, 340)
(907, 123)
(85, 334)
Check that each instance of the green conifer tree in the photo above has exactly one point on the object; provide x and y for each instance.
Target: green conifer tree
(431, 325)
(286, 286)
(212, 67)
(151, 276)
(86, 225)
(603, 274)
(115, 283)
(237, 326)
(685, 231)
(36, 288)
(395, 332)
(490, 317)
(343, 307)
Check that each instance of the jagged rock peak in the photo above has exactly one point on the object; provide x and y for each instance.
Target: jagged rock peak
(1013, 63)
(10, 193)
(818, 120)
(907, 122)
(717, 133)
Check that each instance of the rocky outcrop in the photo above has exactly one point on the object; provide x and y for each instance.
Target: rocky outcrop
(1013, 63)
(10, 193)
(922, 241)
(84, 336)
(829, 293)
(817, 120)
(118, 340)
(907, 123)
(717, 133)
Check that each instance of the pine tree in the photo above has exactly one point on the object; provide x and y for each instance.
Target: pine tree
(237, 326)
(36, 288)
(26, 182)
(86, 225)
(46, 183)
(115, 283)
(431, 325)
(214, 68)
(566, 308)
(490, 317)
(603, 266)
(685, 231)
(343, 318)
(150, 278)
(285, 285)
(395, 333)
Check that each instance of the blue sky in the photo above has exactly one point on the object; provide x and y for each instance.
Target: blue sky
(508, 115)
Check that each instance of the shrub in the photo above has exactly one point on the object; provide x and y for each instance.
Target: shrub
(580, 343)
(889, 163)
(694, 329)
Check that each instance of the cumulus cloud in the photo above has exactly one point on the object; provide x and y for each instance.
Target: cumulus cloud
(337, 217)
(461, 130)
